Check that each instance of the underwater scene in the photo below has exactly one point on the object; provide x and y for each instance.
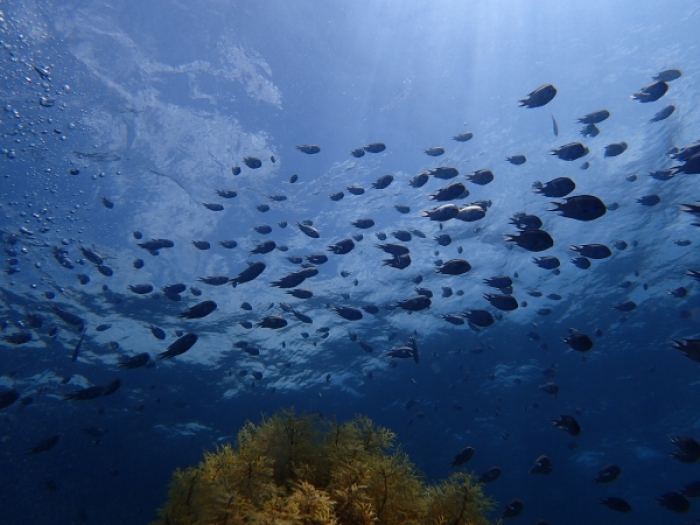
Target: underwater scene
(349, 262)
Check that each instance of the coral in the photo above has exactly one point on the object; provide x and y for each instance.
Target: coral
(305, 470)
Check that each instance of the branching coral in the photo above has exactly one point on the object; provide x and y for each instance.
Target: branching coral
(304, 470)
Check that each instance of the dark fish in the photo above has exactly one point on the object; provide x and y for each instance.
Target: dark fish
(500, 281)
(651, 92)
(308, 230)
(453, 319)
(595, 117)
(464, 455)
(571, 151)
(690, 167)
(526, 222)
(471, 213)
(236, 170)
(415, 303)
(394, 249)
(68, 317)
(674, 501)
(76, 351)
(342, 247)
(226, 194)
(549, 388)
(613, 150)
(250, 273)
(402, 208)
(141, 289)
(201, 245)
(568, 424)
(337, 196)
(532, 240)
(215, 280)
(85, 394)
(264, 247)
(44, 446)
(555, 127)
(105, 270)
(62, 258)
(107, 203)
(8, 397)
(83, 279)
(607, 474)
(663, 114)
(357, 153)
(541, 96)
(371, 309)
(692, 489)
(274, 322)
(290, 281)
(592, 251)
(688, 449)
(450, 192)
(346, 312)
(252, 162)
(213, 206)
(138, 264)
(669, 75)
(419, 180)
(454, 267)
(103, 327)
(441, 213)
(302, 317)
(263, 229)
(363, 224)
(309, 149)
(435, 151)
(180, 346)
(156, 244)
(625, 306)
(246, 306)
(383, 182)
(366, 346)
(503, 302)
(542, 465)
(479, 318)
(262, 208)
(616, 504)
(174, 289)
(548, 263)
(578, 341)
(92, 256)
(199, 310)
(590, 130)
(158, 333)
(463, 137)
(481, 177)
(318, 258)
(581, 207)
(490, 475)
(293, 178)
(375, 147)
(18, 338)
(228, 244)
(444, 239)
(513, 509)
(112, 387)
(136, 361)
(517, 160)
(559, 187)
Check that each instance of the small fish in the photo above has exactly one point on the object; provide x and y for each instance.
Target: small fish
(107, 203)
(555, 127)
(44, 446)
(213, 206)
(76, 351)
(158, 333)
(309, 149)
(182, 345)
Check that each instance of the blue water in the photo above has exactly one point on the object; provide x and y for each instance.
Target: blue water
(154, 102)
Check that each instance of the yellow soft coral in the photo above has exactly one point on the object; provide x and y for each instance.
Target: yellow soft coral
(291, 470)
